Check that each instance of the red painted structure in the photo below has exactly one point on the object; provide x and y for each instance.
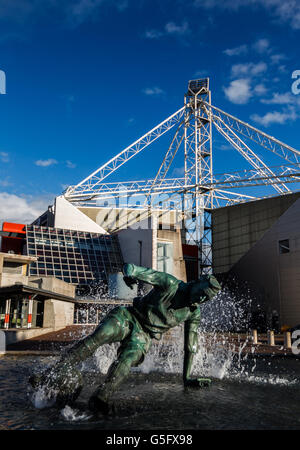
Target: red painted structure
(190, 256)
(13, 237)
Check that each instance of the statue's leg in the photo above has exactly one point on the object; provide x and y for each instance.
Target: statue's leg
(131, 354)
(117, 373)
(63, 378)
(114, 328)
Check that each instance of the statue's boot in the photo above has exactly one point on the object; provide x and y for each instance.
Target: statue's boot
(198, 383)
(204, 382)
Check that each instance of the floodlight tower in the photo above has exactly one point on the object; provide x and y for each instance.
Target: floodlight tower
(198, 192)
(198, 169)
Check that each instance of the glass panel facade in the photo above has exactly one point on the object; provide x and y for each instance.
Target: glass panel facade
(76, 257)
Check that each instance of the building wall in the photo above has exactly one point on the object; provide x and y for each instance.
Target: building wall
(8, 279)
(71, 218)
(139, 246)
(58, 314)
(53, 284)
(131, 240)
(235, 229)
(13, 269)
(276, 274)
(112, 219)
(174, 237)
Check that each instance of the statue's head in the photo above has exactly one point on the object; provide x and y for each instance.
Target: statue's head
(207, 286)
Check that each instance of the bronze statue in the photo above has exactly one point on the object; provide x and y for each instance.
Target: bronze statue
(168, 304)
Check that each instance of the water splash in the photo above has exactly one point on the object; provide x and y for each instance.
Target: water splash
(219, 356)
(42, 398)
(104, 357)
(73, 415)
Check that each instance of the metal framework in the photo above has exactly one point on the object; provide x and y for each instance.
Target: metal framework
(199, 190)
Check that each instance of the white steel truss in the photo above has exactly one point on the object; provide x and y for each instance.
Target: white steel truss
(91, 184)
(259, 137)
(248, 154)
(199, 190)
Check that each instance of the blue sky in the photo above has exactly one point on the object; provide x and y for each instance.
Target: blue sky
(85, 78)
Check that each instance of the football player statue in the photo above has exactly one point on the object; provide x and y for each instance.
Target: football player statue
(170, 303)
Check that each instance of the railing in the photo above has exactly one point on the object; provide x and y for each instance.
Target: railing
(287, 338)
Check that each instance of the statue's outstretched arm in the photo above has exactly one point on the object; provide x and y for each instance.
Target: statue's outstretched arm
(138, 273)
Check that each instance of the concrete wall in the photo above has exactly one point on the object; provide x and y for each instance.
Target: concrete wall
(276, 274)
(69, 217)
(112, 219)
(13, 269)
(58, 314)
(52, 284)
(130, 246)
(7, 279)
(17, 335)
(2, 342)
(235, 229)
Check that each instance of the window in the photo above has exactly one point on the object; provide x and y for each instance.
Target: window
(165, 257)
(284, 246)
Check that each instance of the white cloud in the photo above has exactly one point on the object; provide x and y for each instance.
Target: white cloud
(239, 91)
(170, 29)
(153, 34)
(70, 165)
(237, 51)
(5, 182)
(225, 4)
(285, 11)
(277, 58)
(45, 162)
(281, 99)
(79, 11)
(201, 73)
(276, 117)
(14, 208)
(282, 69)
(248, 69)
(153, 91)
(71, 12)
(260, 89)
(178, 172)
(4, 157)
(225, 147)
(262, 46)
(131, 121)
